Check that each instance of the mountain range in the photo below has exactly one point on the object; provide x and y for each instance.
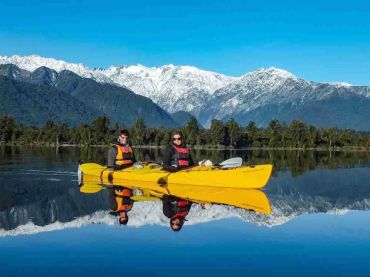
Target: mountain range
(259, 96)
(45, 94)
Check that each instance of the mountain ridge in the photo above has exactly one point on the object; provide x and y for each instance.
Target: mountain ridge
(119, 104)
(209, 95)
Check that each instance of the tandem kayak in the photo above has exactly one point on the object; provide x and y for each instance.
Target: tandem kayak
(246, 177)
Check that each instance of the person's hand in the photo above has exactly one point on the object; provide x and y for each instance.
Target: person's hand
(170, 169)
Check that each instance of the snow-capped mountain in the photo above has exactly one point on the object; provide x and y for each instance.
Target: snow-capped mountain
(259, 96)
(275, 93)
(255, 89)
(174, 88)
(32, 62)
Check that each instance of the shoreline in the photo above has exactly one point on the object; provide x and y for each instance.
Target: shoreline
(211, 148)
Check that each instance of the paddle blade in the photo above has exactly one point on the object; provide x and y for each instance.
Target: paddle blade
(231, 163)
(91, 188)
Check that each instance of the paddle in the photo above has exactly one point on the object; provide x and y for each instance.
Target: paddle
(232, 163)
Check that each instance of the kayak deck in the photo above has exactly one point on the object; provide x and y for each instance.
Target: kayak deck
(254, 177)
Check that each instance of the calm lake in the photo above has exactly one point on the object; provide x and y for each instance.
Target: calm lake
(319, 224)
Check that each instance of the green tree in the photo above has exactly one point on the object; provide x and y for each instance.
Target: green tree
(235, 132)
(312, 136)
(251, 133)
(298, 133)
(191, 130)
(274, 133)
(85, 134)
(138, 132)
(217, 132)
(6, 128)
(100, 127)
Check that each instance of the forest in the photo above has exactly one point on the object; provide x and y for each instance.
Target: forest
(295, 135)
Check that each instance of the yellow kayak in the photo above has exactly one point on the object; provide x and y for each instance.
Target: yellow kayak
(254, 177)
(249, 199)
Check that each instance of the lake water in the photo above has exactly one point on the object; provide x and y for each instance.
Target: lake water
(320, 220)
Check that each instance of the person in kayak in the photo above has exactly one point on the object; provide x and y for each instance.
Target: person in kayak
(120, 203)
(121, 155)
(176, 210)
(177, 156)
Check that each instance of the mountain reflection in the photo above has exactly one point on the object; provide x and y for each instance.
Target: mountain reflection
(39, 192)
(177, 200)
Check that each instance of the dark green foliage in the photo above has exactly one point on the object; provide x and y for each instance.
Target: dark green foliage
(6, 128)
(139, 132)
(191, 130)
(229, 134)
(217, 132)
(234, 132)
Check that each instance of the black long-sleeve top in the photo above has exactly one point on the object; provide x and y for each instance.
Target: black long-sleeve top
(170, 207)
(169, 154)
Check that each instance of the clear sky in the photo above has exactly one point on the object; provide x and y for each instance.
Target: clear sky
(316, 40)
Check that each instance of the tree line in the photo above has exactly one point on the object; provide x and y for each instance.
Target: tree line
(277, 134)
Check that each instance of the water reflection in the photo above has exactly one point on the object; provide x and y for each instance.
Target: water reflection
(38, 190)
(177, 199)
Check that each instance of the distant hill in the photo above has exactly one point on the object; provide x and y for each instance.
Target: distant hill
(181, 117)
(72, 99)
(36, 104)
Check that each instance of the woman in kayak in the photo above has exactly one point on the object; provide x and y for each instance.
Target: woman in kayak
(120, 203)
(176, 210)
(177, 156)
(121, 155)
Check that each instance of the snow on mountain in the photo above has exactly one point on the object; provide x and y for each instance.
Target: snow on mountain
(174, 88)
(32, 62)
(340, 84)
(272, 87)
(254, 89)
(209, 95)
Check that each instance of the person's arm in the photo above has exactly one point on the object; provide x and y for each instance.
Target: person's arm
(112, 199)
(167, 156)
(112, 154)
(168, 209)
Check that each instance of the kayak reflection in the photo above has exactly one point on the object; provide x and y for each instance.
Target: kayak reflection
(178, 199)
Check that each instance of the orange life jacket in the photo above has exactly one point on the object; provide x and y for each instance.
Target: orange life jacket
(121, 195)
(182, 157)
(182, 208)
(124, 155)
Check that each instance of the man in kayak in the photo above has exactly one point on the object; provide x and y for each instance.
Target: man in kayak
(177, 156)
(120, 203)
(176, 210)
(121, 155)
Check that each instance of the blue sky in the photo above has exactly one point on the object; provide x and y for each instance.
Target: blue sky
(316, 40)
